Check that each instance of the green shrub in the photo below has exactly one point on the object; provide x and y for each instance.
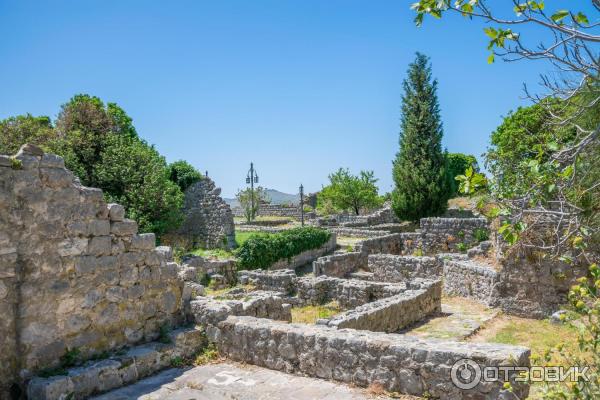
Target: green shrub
(263, 249)
(481, 234)
(461, 247)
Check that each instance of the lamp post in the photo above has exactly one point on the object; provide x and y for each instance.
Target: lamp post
(302, 204)
(252, 178)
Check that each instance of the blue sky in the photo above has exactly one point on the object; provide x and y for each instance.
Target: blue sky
(299, 87)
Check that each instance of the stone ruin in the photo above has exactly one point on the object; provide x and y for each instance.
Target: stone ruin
(208, 220)
(76, 275)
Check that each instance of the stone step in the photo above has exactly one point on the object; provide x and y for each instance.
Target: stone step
(99, 376)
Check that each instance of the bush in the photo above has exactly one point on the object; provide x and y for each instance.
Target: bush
(264, 249)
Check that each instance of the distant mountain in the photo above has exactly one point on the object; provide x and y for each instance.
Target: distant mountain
(275, 196)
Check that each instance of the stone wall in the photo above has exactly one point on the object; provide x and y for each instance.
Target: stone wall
(276, 210)
(399, 363)
(339, 264)
(74, 273)
(391, 314)
(208, 219)
(444, 234)
(393, 268)
(208, 311)
(342, 264)
(466, 279)
(308, 256)
(535, 287)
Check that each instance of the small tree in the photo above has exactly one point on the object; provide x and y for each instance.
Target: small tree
(183, 174)
(423, 185)
(250, 205)
(346, 191)
(458, 163)
(16, 131)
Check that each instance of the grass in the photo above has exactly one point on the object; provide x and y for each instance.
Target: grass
(539, 335)
(222, 254)
(209, 354)
(349, 241)
(310, 314)
(241, 237)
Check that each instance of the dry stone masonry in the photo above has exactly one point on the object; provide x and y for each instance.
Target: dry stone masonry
(74, 273)
(399, 363)
(208, 219)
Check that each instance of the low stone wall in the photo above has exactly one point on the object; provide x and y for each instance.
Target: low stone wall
(196, 267)
(466, 279)
(279, 280)
(74, 272)
(393, 268)
(99, 376)
(208, 311)
(399, 363)
(350, 293)
(444, 234)
(307, 256)
(342, 264)
(388, 244)
(208, 220)
(391, 314)
(357, 232)
(275, 210)
(339, 264)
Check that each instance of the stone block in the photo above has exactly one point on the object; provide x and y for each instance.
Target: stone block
(99, 227)
(52, 161)
(72, 247)
(100, 246)
(126, 227)
(144, 241)
(116, 212)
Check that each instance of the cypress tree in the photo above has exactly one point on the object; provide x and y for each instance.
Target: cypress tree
(422, 183)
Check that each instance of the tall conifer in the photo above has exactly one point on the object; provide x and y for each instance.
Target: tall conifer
(422, 184)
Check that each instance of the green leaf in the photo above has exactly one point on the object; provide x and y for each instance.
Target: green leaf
(490, 59)
(558, 16)
(552, 146)
(581, 18)
(491, 32)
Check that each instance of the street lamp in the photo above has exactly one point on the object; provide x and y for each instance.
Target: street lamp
(302, 204)
(252, 178)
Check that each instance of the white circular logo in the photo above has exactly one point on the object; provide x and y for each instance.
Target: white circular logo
(465, 374)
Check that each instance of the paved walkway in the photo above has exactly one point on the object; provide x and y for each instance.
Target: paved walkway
(460, 318)
(233, 381)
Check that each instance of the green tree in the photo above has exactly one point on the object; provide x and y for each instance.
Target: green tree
(422, 183)
(250, 201)
(566, 173)
(524, 135)
(350, 192)
(16, 131)
(135, 175)
(183, 174)
(83, 126)
(101, 146)
(457, 165)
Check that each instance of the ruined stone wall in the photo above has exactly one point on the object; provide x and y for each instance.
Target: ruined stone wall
(307, 256)
(74, 273)
(273, 210)
(445, 234)
(535, 287)
(399, 363)
(466, 279)
(340, 265)
(208, 219)
(393, 268)
(391, 314)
